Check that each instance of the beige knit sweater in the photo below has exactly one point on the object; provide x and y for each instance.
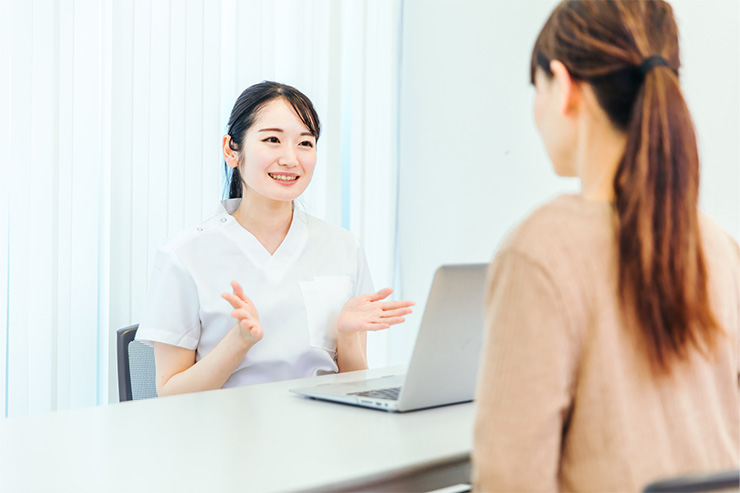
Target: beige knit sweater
(565, 398)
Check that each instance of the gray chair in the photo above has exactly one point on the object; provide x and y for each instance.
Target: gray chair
(136, 372)
(694, 483)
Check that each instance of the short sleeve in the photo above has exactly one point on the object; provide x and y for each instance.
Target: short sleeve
(525, 382)
(364, 282)
(171, 315)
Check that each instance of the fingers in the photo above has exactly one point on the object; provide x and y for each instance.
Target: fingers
(392, 305)
(237, 288)
(396, 313)
(394, 320)
(242, 314)
(385, 324)
(375, 326)
(389, 305)
(250, 326)
(380, 295)
(239, 292)
(238, 298)
(233, 299)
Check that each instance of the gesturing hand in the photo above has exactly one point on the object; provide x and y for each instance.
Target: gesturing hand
(246, 314)
(367, 312)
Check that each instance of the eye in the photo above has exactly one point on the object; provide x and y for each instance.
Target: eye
(272, 140)
(306, 143)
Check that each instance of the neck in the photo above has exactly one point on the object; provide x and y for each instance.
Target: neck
(268, 220)
(599, 152)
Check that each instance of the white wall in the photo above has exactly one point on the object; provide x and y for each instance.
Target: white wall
(472, 164)
(710, 54)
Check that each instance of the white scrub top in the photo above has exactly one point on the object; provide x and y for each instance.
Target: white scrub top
(298, 292)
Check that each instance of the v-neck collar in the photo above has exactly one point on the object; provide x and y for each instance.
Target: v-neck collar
(288, 251)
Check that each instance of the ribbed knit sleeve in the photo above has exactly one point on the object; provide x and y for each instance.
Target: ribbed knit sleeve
(526, 380)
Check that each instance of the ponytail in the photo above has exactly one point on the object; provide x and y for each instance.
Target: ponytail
(235, 183)
(628, 53)
(661, 264)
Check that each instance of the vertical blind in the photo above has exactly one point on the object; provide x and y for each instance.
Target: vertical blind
(111, 118)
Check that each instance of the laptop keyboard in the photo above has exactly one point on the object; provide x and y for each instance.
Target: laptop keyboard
(390, 393)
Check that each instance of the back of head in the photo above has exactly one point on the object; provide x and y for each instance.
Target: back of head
(628, 52)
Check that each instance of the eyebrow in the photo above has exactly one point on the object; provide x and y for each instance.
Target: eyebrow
(281, 131)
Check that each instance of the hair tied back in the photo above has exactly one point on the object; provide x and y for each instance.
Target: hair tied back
(651, 62)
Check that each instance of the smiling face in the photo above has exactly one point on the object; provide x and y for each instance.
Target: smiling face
(278, 155)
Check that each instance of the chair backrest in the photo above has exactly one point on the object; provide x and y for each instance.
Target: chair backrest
(136, 371)
(694, 483)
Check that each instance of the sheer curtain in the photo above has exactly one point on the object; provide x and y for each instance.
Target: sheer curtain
(111, 116)
(53, 140)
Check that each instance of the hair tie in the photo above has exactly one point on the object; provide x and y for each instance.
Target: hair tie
(650, 62)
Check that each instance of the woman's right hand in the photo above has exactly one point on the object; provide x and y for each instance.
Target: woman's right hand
(246, 314)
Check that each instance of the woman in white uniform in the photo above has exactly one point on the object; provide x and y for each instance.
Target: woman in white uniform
(301, 296)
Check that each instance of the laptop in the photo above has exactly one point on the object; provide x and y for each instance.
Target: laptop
(444, 364)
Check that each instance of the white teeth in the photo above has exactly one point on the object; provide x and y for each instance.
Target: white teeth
(283, 177)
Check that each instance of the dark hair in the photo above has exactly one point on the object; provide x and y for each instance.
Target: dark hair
(245, 112)
(662, 274)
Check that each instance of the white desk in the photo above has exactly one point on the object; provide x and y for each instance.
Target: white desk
(257, 438)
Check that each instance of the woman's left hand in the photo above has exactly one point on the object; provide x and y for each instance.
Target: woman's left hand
(368, 312)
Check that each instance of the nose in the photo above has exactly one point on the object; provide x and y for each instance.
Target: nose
(289, 159)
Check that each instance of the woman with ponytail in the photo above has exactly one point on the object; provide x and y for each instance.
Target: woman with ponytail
(611, 357)
(301, 297)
